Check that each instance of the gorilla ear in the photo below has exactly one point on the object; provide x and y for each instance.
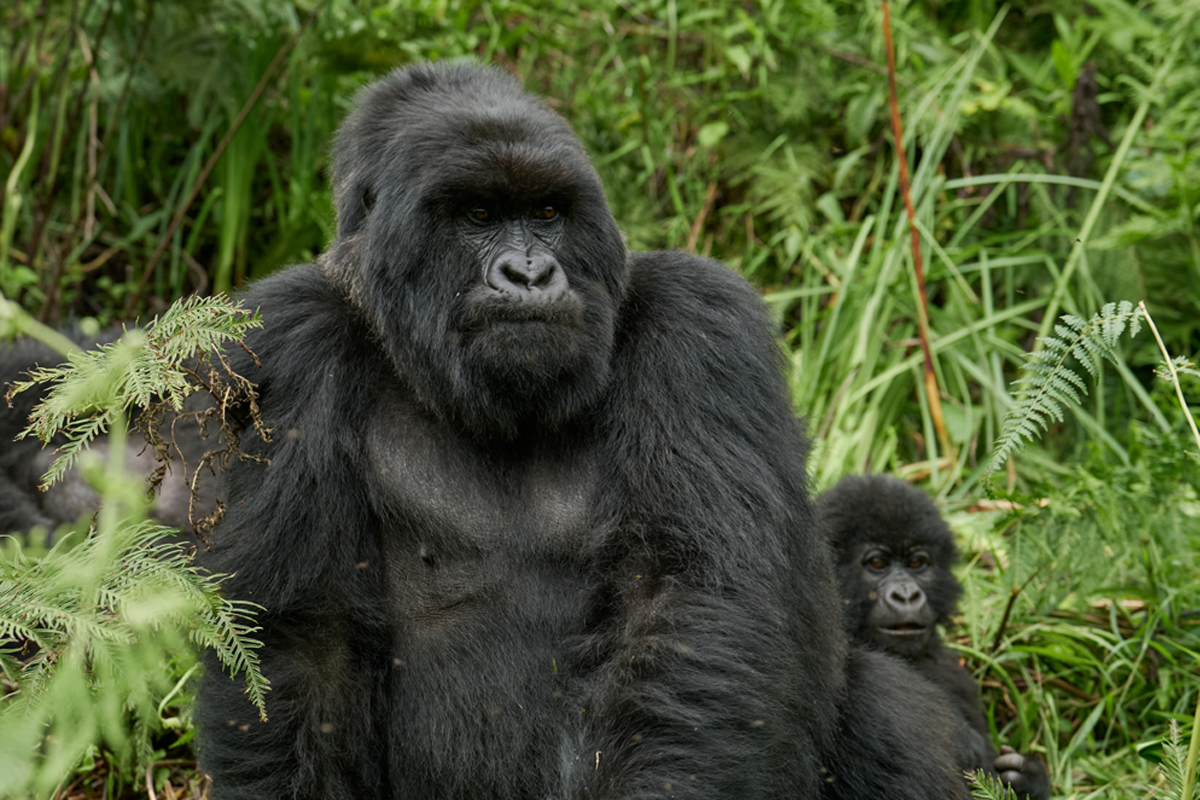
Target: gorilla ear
(354, 207)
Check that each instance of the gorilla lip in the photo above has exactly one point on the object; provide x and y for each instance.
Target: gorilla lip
(487, 307)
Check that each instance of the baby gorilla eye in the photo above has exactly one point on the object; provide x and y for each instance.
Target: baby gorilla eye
(877, 562)
(482, 214)
(918, 561)
(545, 212)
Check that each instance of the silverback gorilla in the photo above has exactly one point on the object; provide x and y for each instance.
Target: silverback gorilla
(894, 552)
(533, 520)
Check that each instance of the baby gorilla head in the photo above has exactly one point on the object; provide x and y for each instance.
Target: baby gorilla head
(893, 555)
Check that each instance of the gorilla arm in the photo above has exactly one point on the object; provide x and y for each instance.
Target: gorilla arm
(722, 587)
(298, 536)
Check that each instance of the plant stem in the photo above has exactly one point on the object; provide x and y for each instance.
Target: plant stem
(932, 393)
(1193, 755)
(1174, 376)
(11, 314)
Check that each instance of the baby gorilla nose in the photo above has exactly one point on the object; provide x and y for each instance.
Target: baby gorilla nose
(906, 595)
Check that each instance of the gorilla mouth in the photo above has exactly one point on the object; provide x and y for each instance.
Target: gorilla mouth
(488, 310)
(904, 629)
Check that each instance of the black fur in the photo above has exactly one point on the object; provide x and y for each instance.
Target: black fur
(898, 737)
(23, 462)
(512, 547)
(894, 554)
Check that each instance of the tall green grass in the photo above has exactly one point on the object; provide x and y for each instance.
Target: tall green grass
(1051, 153)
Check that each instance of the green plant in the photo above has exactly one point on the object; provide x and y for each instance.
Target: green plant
(99, 632)
(1049, 384)
(154, 369)
(985, 786)
(92, 637)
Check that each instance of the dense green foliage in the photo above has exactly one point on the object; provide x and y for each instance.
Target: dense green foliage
(99, 633)
(1051, 151)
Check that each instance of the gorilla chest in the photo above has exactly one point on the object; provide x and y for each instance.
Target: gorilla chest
(478, 527)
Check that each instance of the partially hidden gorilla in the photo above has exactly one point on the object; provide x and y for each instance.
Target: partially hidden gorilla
(23, 462)
(532, 521)
(893, 552)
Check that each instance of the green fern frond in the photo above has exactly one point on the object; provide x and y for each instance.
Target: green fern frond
(141, 592)
(88, 392)
(985, 786)
(1183, 366)
(1049, 385)
(237, 652)
(1174, 762)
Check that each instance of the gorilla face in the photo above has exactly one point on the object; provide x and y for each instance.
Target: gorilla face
(900, 619)
(494, 263)
(894, 554)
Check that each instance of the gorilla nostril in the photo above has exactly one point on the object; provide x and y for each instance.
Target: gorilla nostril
(543, 275)
(529, 274)
(515, 275)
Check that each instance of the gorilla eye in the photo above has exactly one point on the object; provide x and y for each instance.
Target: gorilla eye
(918, 562)
(545, 212)
(482, 214)
(877, 562)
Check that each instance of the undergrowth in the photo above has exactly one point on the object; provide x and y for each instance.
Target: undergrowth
(1051, 154)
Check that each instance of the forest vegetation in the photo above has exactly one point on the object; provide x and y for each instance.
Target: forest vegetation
(152, 150)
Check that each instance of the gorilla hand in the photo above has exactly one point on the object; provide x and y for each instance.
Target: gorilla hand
(1024, 774)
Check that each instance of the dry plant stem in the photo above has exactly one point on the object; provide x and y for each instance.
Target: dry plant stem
(1013, 594)
(1189, 772)
(251, 101)
(931, 385)
(1174, 375)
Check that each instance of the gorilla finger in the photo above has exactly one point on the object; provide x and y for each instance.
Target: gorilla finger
(1009, 761)
(1012, 778)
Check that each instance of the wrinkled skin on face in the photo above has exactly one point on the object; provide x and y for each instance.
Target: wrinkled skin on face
(474, 235)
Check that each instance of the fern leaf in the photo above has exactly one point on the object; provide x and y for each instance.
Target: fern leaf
(985, 786)
(1048, 384)
(1174, 758)
(96, 384)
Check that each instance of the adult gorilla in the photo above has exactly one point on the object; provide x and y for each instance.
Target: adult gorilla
(534, 522)
(894, 553)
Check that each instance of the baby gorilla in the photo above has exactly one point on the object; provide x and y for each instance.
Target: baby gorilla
(893, 553)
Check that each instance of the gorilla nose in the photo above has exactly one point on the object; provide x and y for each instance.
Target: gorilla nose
(905, 595)
(536, 275)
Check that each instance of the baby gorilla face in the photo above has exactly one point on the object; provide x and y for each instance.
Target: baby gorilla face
(899, 618)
